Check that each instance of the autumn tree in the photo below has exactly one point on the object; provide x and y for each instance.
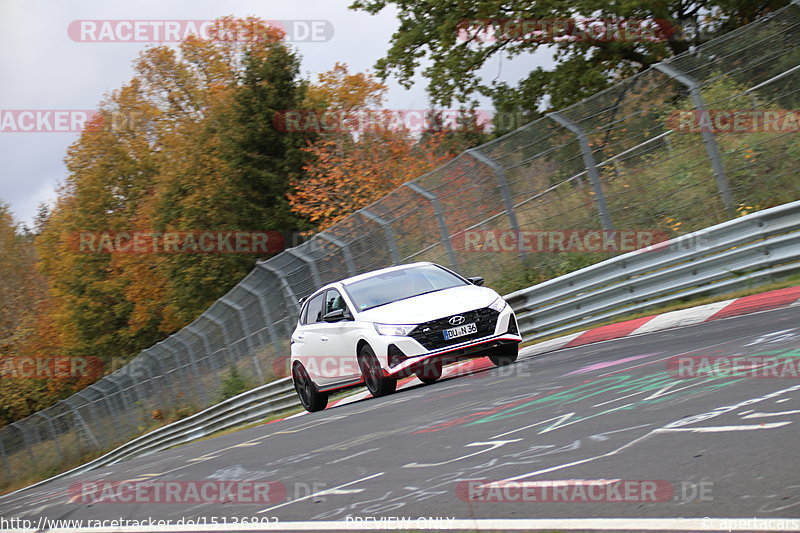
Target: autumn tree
(26, 328)
(187, 145)
(340, 90)
(338, 182)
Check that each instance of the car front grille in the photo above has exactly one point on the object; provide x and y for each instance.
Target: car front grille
(430, 334)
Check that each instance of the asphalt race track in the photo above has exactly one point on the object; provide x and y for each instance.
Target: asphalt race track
(713, 446)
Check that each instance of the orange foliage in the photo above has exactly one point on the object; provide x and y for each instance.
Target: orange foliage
(342, 179)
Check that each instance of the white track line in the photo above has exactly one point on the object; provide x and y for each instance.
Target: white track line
(677, 424)
(759, 415)
(327, 491)
(720, 429)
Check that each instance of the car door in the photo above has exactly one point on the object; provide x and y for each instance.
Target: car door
(339, 339)
(306, 344)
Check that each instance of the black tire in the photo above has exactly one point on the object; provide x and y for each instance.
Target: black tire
(310, 396)
(430, 372)
(505, 355)
(377, 383)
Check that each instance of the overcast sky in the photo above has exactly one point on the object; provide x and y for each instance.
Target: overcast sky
(43, 68)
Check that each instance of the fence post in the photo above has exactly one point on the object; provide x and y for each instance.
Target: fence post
(266, 314)
(130, 370)
(26, 440)
(126, 402)
(51, 430)
(312, 266)
(104, 396)
(708, 136)
(193, 364)
(437, 209)
(345, 247)
(505, 192)
(289, 295)
(77, 414)
(4, 455)
(179, 366)
(388, 232)
(591, 167)
(204, 340)
(248, 335)
(225, 336)
(161, 375)
(152, 381)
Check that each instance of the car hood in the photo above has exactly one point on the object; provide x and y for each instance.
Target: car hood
(431, 306)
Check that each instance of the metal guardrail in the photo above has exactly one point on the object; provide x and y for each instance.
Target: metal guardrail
(721, 258)
(244, 408)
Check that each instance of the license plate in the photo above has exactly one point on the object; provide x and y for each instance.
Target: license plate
(460, 331)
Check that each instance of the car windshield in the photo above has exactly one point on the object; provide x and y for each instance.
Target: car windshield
(399, 285)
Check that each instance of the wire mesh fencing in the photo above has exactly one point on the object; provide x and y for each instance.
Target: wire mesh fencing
(631, 157)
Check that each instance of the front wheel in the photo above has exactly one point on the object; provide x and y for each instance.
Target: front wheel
(377, 383)
(504, 355)
(310, 396)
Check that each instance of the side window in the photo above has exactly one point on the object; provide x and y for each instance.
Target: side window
(314, 310)
(333, 301)
(304, 314)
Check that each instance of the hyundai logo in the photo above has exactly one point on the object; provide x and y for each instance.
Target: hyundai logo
(456, 320)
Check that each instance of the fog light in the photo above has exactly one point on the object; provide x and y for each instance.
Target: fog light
(513, 329)
(395, 355)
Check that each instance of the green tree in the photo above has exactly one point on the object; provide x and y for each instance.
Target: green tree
(231, 170)
(431, 32)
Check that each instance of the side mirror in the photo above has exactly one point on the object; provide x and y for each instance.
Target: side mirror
(334, 316)
(476, 280)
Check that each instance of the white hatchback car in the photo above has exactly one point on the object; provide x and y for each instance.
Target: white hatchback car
(378, 327)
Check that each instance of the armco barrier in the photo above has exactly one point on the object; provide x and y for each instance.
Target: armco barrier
(251, 406)
(725, 257)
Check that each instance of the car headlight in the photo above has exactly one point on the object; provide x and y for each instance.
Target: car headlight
(498, 305)
(397, 330)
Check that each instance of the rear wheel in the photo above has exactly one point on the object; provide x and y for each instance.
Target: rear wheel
(310, 396)
(377, 383)
(429, 372)
(504, 355)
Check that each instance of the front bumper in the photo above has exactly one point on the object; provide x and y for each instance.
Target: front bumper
(466, 350)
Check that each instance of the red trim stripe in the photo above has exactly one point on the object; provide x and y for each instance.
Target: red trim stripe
(758, 302)
(611, 331)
